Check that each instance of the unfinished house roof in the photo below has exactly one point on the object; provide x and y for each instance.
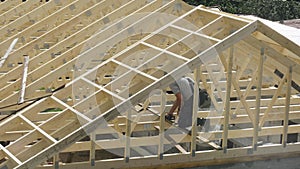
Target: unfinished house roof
(85, 84)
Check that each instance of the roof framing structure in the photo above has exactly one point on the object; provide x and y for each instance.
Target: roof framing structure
(95, 88)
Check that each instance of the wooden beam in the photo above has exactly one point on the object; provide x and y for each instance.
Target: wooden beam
(195, 109)
(56, 161)
(128, 136)
(258, 98)
(248, 132)
(276, 114)
(162, 125)
(206, 158)
(93, 149)
(227, 101)
(287, 107)
(135, 143)
(24, 79)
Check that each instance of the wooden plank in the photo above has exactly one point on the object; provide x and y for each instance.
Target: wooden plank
(278, 106)
(258, 99)
(202, 159)
(195, 110)
(24, 79)
(248, 132)
(128, 136)
(239, 119)
(93, 149)
(56, 161)
(162, 124)
(135, 141)
(227, 101)
(287, 107)
(276, 114)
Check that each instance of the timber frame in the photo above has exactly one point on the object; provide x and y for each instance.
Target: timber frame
(85, 83)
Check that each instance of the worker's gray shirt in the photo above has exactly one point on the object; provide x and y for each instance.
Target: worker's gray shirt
(185, 87)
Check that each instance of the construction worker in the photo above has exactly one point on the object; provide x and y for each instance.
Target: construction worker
(183, 90)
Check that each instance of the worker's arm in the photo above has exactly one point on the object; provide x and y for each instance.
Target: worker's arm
(176, 104)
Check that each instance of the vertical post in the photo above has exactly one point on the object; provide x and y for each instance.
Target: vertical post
(162, 126)
(56, 161)
(258, 97)
(128, 134)
(227, 103)
(287, 106)
(195, 110)
(92, 150)
(24, 78)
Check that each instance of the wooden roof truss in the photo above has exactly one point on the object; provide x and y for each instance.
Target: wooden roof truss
(89, 90)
